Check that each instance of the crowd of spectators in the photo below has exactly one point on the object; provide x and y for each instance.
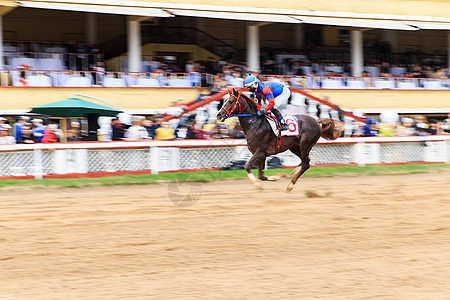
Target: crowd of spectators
(155, 128)
(31, 131)
(81, 56)
(418, 125)
(26, 131)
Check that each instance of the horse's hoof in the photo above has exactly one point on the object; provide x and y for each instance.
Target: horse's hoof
(289, 187)
(276, 177)
(258, 185)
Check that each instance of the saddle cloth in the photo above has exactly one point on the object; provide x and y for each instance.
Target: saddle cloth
(291, 123)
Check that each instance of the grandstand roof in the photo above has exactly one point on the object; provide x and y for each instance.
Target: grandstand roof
(397, 15)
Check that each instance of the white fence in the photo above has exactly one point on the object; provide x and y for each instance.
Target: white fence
(161, 156)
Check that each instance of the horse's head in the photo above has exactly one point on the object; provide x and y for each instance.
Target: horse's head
(235, 104)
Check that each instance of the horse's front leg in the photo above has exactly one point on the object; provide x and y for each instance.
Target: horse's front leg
(257, 157)
(261, 167)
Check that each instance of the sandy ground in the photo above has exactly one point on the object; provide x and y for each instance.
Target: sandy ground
(384, 237)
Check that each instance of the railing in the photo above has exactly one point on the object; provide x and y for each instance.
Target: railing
(344, 82)
(160, 156)
(68, 78)
(44, 78)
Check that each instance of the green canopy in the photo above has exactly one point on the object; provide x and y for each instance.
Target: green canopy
(74, 107)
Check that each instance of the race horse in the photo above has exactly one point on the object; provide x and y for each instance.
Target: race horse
(263, 142)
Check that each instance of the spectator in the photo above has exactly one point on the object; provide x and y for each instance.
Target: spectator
(155, 125)
(148, 126)
(385, 69)
(367, 79)
(406, 128)
(358, 130)
(94, 54)
(435, 128)
(18, 126)
(23, 69)
(38, 129)
(422, 126)
(118, 129)
(26, 136)
(70, 57)
(446, 124)
(440, 73)
(164, 132)
(236, 80)
(386, 129)
(52, 134)
(98, 72)
(73, 136)
(82, 52)
(220, 132)
(370, 128)
(136, 131)
(428, 71)
(162, 78)
(189, 67)
(268, 68)
(212, 66)
(152, 66)
(5, 138)
(181, 132)
(195, 78)
(194, 133)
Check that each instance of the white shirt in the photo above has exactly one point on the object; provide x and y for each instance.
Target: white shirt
(136, 133)
(7, 140)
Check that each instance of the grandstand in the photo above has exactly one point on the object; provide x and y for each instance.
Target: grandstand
(152, 58)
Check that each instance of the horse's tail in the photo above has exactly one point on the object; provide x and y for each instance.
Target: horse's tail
(329, 129)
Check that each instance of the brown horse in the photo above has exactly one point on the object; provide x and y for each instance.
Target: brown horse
(262, 142)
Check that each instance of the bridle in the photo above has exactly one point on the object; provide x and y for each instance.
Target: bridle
(236, 105)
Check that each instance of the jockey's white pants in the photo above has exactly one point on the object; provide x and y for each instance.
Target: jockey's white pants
(282, 99)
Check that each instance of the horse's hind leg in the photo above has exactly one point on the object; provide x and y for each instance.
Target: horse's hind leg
(303, 153)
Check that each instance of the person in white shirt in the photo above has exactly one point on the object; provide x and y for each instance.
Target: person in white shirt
(136, 131)
(5, 138)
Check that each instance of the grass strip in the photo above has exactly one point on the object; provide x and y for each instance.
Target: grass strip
(206, 176)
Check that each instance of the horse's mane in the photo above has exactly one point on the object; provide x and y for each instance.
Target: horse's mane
(236, 92)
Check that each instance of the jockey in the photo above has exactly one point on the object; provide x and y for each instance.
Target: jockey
(276, 94)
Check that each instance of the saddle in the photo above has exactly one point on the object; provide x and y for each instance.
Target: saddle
(291, 122)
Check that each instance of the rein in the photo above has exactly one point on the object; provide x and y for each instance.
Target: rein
(242, 115)
(239, 114)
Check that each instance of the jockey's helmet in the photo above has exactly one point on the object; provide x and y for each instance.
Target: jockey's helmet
(251, 83)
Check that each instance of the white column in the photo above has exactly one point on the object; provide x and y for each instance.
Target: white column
(134, 46)
(357, 53)
(1, 42)
(253, 48)
(299, 36)
(91, 28)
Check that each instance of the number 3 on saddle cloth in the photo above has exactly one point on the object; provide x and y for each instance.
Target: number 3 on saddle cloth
(291, 123)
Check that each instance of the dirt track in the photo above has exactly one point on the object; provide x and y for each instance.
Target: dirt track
(336, 238)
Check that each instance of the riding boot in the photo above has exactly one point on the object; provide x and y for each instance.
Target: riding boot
(280, 119)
